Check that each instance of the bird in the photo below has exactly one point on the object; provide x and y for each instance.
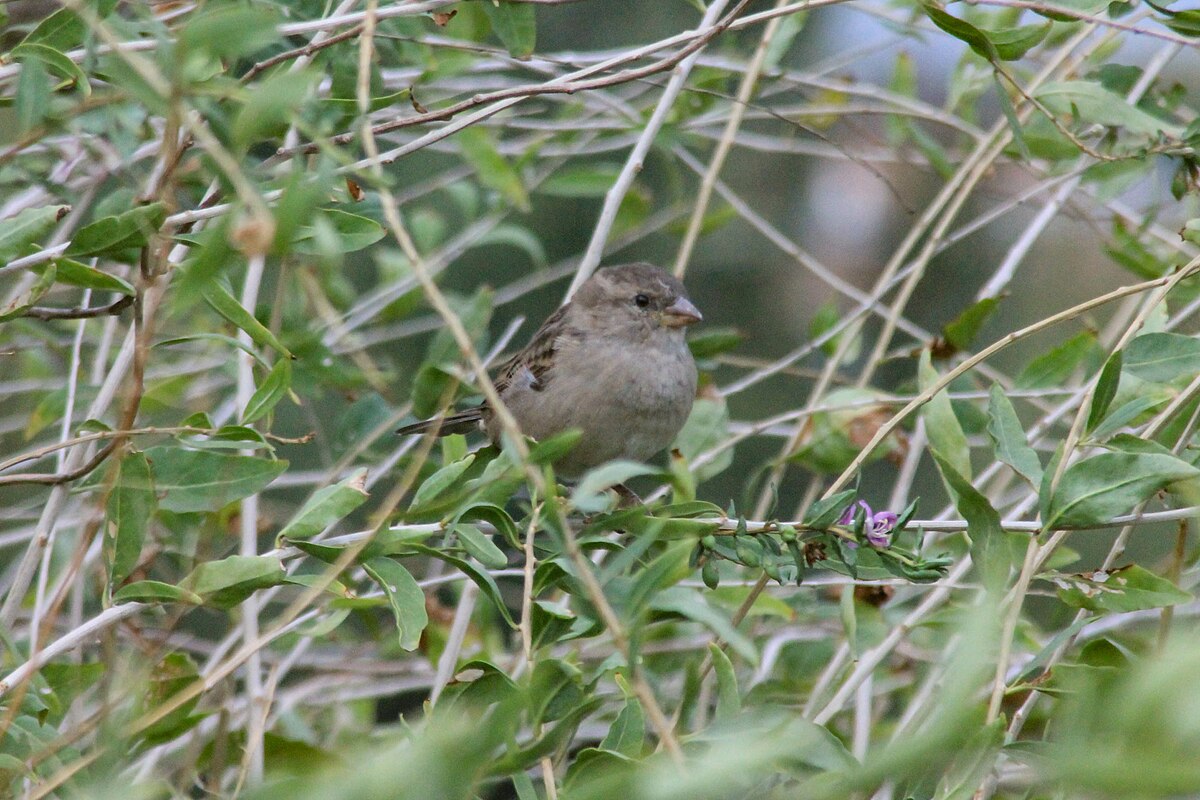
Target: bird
(613, 363)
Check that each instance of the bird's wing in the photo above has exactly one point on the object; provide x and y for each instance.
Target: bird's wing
(528, 366)
(531, 364)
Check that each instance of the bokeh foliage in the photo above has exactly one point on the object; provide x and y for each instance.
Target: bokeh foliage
(241, 243)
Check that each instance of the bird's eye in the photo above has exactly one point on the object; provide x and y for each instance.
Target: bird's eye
(641, 301)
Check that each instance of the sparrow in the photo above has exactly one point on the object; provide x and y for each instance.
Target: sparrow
(612, 363)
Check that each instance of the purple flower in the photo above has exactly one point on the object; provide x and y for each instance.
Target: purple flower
(879, 532)
(877, 527)
(848, 515)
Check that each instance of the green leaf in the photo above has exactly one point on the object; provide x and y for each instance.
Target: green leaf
(77, 274)
(825, 319)
(21, 303)
(270, 105)
(33, 95)
(404, 596)
(1191, 231)
(440, 481)
(976, 39)
(131, 506)
(350, 233)
(693, 605)
(1104, 486)
(1010, 116)
(1186, 22)
(229, 581)
(430, 387)
(1090, 102)
(113, 236)
(480, 546)
(56, 61)
(485, 582)
(517, 236)
(1054, 368)
(224, 303)
(155, 592)
(1008, 437)
(590, 493)
(11, 768)
(229, 31)
(991, 548)
(729, 699)
(781, 42)
(270, 392)
(475, 313)
(714, 341)
(216, 337)
(62, 30)
(19, 232)
(1130, 588)
(1125, 414)
(1131, 252)
(1084, 7)
(196, 480)
(552, 448)
(944, 430)
(706, 427)
(497, 516)
(326, 506)
(1106, 390)
(587, 180)
(627, 734)
(1013, 43)
(962, 330)
(826, 512)
(515, 24)
(493, 169)
(1163, 357)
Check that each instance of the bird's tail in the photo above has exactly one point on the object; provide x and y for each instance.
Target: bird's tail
(458, 422)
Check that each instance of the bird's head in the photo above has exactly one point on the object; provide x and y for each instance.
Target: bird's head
(638, 299)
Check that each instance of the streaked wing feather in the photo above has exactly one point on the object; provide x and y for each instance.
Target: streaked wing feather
(538, 355)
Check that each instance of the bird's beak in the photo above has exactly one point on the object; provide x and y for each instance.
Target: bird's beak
(681, 313)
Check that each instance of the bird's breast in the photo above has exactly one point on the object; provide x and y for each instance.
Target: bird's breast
(629, 400)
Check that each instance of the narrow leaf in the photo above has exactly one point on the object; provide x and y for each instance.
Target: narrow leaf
(1106, 390)
(327, 506)
(480, 546)
(404, 596)
(229, 581)
(270, 392)
(516, 26)
(155, 592)
(1104, 486)
(440, 481)
(1008, 437)
(945, 431)
(627, 735)
(485, 582)
(990, 546)
(1163, 357)
(33, 95)
(195, 480)
(224, 303)
(1130, 588)
(112, 236)
(131, 506)
(729, 699)
(19, 232)
(962, 330)
(78, 274)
